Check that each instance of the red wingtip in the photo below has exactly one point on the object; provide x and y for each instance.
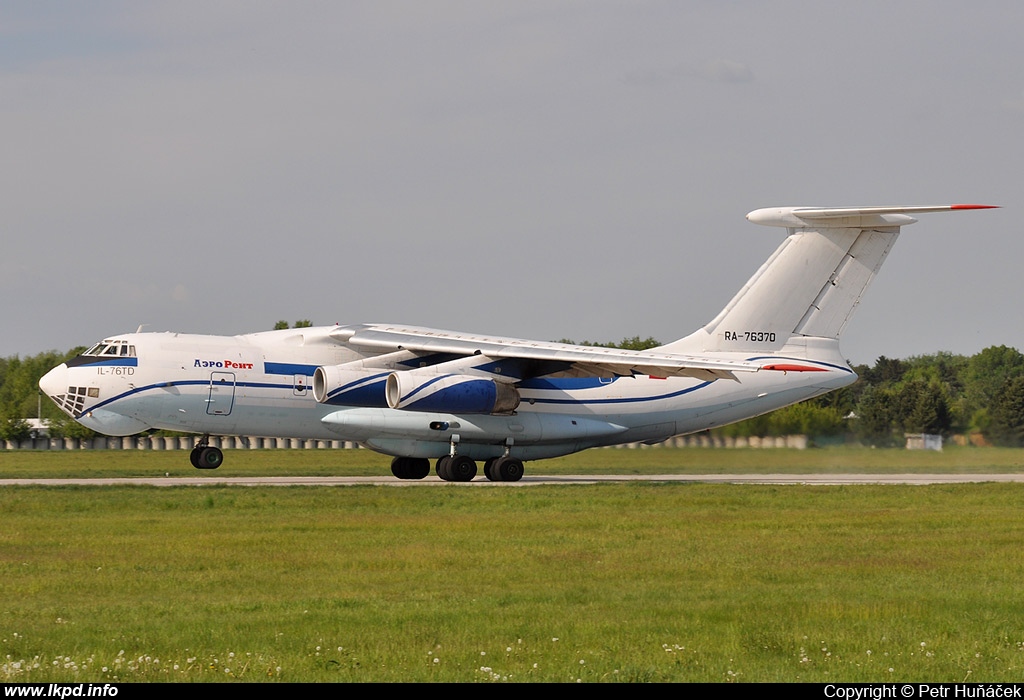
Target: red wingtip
(974, 206)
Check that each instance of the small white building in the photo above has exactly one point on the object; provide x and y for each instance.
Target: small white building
(923, 441)
(39, 427)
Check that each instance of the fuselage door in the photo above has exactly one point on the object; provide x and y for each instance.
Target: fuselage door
(222, 394)
(300, 385)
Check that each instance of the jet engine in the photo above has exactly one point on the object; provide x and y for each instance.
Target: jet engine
(450, 393)
(350, 387)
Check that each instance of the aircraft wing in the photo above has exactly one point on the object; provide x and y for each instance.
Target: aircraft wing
(583, 359)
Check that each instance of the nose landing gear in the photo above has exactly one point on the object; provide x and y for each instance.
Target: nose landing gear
(205, 457)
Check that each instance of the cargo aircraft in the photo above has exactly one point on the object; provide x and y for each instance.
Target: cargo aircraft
(421, 394)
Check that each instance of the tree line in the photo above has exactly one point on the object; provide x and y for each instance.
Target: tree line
(981, 396)
(20, 397)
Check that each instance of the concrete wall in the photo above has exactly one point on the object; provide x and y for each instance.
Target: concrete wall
(148, 442)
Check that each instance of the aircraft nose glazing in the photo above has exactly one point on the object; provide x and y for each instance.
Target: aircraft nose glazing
(55, 383)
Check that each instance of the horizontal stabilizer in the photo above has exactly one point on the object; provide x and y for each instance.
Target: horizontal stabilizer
(797, 217)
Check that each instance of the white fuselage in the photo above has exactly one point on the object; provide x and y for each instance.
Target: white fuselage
(261, 385)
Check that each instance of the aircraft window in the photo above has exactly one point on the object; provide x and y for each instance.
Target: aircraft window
(111, 347)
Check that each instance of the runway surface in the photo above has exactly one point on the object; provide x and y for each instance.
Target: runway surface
(387, 480)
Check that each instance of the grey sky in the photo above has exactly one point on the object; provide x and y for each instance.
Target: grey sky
(535, 169)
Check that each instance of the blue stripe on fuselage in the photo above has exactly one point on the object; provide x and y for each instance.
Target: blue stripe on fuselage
(565, 383)
(102, 361)
(624, 399)
(288, 368)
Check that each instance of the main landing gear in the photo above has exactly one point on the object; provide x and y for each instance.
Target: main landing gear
(410, 467)
(503, 469)
(458, 468)
(205, 457)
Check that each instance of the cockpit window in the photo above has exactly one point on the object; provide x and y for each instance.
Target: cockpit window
(119, 348)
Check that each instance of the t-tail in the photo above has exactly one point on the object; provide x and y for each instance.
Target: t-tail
(801, 299)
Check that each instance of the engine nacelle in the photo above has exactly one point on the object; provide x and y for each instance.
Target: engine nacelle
(350, 387)
(449, 393)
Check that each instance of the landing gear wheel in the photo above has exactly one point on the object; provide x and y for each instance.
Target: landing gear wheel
(462, 468)
(508, 469)
(489, 469)
(410, 467)
(399, 467)
(456, 468)
(443, 468)
(206, 457)
(420, 468)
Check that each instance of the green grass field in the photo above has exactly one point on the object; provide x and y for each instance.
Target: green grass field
(86, 463)
(614, 582)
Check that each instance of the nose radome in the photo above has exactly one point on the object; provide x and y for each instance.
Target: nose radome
(55, 382)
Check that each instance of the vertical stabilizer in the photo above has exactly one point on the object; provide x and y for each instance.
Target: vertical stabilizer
(811, 285)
